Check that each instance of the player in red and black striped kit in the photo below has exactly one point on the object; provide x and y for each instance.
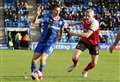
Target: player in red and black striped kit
(89, 40)
(115, 43)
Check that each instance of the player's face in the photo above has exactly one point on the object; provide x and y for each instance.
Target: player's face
(87, 14)
(56, 11)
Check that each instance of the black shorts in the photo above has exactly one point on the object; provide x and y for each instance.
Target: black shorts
(93, 49)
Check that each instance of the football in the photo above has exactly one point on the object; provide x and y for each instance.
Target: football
(37, 75)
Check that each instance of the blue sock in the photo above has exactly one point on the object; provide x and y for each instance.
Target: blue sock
(33, 67)
(42, 66)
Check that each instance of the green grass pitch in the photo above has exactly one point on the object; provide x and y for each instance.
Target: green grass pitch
(15, 66)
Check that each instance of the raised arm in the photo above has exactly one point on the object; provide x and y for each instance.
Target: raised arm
(36, 19)
(94, 26)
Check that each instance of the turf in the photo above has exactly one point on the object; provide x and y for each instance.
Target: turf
(15, 66)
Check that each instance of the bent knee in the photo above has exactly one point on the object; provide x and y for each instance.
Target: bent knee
(35, 57)
(93, 64)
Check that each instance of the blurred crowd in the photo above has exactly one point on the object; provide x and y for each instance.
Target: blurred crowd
(16, 15)
(108, 17)
(107, 12)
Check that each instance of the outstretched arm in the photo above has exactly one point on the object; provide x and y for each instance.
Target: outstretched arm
(36, 19)
(93, 27)
(81, 34)
(115, 43)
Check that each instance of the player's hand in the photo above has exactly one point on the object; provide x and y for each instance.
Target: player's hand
(39, 11)
(111, 48)
(71, 33)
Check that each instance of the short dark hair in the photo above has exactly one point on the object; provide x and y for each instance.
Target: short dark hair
(55, 6)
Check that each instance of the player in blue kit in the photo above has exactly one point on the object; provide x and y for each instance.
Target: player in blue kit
(52, 31)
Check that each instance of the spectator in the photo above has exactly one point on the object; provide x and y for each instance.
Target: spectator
(18, 38)
(11, 46)
(14, 12)
(26, 40)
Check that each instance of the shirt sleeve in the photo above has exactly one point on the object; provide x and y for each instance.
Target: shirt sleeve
(43, 18)
(95, 25)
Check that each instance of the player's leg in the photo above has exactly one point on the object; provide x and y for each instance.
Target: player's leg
(36, 55)
(79, 49)
(75, 59)
(35, 72)
(91, 65)
(43, 59)
(94, 51)
(48, 49)
(34, 58)
(38, 74)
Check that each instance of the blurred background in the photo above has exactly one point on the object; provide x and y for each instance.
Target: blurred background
(17, 31)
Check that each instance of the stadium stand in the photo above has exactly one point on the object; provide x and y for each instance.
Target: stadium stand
(3, 41)
(15, 14)
(18, 14)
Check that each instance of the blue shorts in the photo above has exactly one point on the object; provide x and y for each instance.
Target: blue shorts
(44, 47)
